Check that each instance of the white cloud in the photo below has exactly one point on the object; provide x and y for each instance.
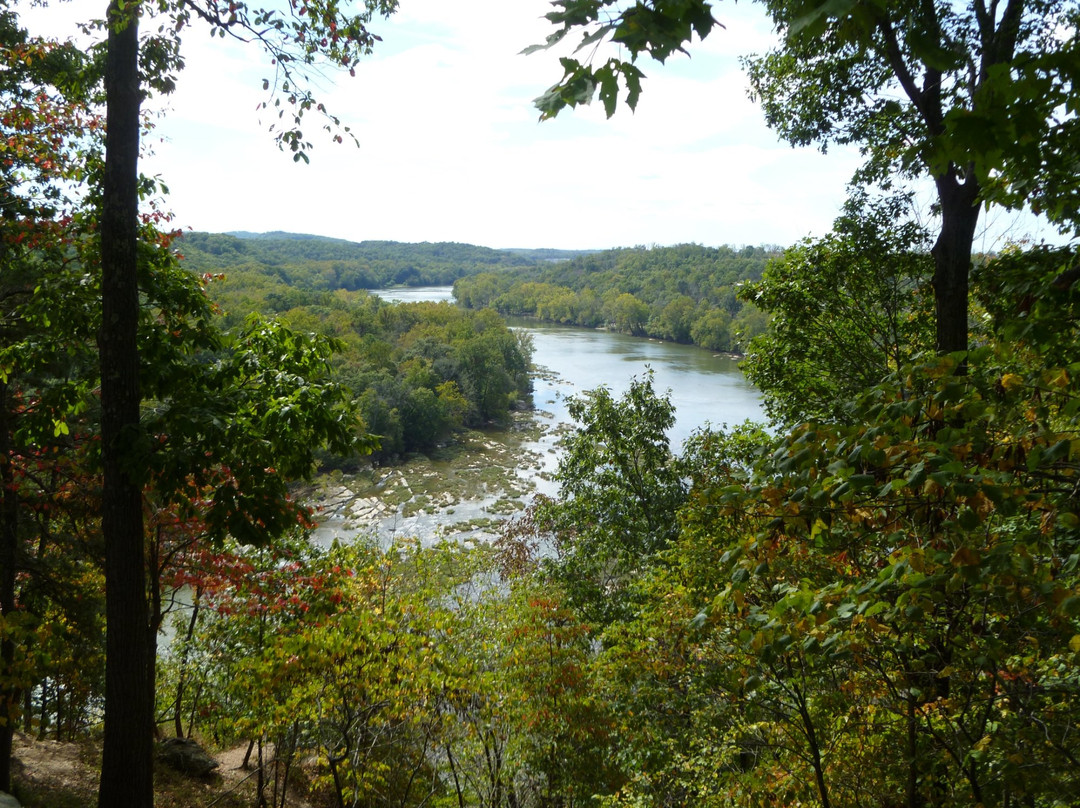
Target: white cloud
(451, 149)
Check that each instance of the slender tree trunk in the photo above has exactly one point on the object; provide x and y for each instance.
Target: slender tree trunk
(127, 778)
(453, 772)
(185, 650)
(9, 549)
(952, 259)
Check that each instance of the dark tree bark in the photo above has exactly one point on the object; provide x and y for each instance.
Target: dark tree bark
(9, 546)
(952, 259)
(127, 761)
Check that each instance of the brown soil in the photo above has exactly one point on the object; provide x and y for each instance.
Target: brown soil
(51, 774)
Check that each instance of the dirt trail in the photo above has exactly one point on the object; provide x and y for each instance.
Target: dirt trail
(53, 774)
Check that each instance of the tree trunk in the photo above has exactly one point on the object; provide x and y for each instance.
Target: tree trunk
(9, 548)
(181, 678)
(952, 259)
(127, 779)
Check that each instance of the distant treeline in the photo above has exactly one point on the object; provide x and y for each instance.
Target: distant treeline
(318, 263)
(686, 293)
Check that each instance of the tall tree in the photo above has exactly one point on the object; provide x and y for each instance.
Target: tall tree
(952, 91)
(294, 39)
(974, 96)
(127, 776)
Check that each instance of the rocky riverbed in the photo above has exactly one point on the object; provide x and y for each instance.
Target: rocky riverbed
(463, 491)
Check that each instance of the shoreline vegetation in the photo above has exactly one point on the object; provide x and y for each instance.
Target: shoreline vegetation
(686, 293)
(702, 578)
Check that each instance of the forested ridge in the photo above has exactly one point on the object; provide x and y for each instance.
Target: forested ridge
(317, 262)
(417, 372)
(685, 293)
(875, 601)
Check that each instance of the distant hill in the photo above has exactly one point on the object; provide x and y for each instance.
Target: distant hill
(320, 263)
(549, 255)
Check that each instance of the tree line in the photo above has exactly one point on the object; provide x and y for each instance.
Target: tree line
(685, 293)
(318, 263)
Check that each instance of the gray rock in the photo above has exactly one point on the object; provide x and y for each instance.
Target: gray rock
(186, 756)
(8, 801)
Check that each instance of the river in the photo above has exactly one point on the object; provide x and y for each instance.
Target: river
(705, 388)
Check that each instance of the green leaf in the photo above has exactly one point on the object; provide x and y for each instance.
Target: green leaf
(813, 22)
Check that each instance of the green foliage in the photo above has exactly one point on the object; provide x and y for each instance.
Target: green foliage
(618, 486)
(672, 293)
(421, 371)
(846, 311)
(407, 672)
(50, 623)
(313, 263)
(880, 608)
(966, 95)
(897, 79)
(655, 29)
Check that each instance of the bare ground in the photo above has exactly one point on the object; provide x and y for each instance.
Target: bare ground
(51, 774)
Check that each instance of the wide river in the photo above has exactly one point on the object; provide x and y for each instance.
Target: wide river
(427, 498)
(705, 388)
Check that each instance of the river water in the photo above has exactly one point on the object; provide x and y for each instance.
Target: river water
(705, 389)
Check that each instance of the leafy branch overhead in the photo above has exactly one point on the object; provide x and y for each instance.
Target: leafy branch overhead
(656, 28)
(300, 39)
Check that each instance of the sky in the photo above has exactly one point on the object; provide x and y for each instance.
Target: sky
(451, 147)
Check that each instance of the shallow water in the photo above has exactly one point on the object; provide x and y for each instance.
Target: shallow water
(465, 498)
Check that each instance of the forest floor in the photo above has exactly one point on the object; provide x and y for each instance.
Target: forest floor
(51, 774)
(465, 490)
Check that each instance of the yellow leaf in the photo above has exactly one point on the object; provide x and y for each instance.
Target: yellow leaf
(1074, 643)
(1057, 377)
(1010, 381)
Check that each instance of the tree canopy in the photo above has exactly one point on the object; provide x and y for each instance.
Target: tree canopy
(684, 293)
(55, 148)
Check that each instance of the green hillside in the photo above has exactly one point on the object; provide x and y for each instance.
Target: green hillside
(319, 263)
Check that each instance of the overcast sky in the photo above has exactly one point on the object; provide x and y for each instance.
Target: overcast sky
(451, 148)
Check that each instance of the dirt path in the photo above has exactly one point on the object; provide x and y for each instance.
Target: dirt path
(52, 774)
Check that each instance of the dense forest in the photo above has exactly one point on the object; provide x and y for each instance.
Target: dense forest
(874, 601)
(416, 373)
(687, 293)
(318, 263)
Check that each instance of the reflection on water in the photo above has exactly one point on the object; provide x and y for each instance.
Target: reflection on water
(416, 294)
(706, 388)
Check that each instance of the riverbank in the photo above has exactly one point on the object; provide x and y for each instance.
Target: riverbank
(466, 490)
(463, 491)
